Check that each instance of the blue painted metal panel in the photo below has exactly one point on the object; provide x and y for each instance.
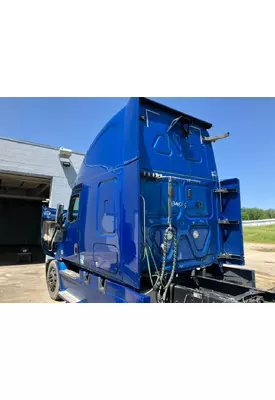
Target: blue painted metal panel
(178, 150)
(196, 226)
(232, 235)
(107, 207)
(130, 228)
(110, 186)
(99, 225)
(106, 257)
(169, 149)
(91, 289)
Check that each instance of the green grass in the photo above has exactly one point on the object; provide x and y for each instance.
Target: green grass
(259, 234)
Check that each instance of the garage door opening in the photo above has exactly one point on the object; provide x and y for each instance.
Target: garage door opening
(21, 198)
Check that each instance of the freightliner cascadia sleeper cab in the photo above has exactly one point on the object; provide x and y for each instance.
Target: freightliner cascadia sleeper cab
(148, 219)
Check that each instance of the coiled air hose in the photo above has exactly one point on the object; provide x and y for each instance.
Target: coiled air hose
(159, 283)
(174, 263)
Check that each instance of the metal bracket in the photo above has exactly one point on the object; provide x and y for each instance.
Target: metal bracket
(173, 123)
(226, 221)
(226, 190)
(210, 139)
(147, 118)
(229, 256)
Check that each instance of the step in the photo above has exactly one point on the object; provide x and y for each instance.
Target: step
(69, 273)
(69, 297)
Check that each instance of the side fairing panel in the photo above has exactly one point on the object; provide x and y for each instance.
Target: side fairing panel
(109, 225)
(90, 289)
(109, 233)
(130, 228)
(99, 227)
(231, 233)
(131, 145)
(130, 197)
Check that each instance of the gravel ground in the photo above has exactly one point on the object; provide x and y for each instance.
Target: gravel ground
(27, 284)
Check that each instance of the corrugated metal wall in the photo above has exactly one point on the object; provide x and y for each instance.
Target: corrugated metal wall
(20, 219)
(34, 159)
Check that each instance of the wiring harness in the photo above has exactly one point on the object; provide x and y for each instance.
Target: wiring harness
(160, 286)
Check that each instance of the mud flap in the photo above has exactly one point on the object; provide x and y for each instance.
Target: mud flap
(230, 222)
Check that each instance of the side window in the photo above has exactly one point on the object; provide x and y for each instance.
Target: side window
(73, 208)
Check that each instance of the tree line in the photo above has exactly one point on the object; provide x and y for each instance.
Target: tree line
(257, 213)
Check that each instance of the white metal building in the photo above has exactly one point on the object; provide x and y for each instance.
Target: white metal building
(31, 173)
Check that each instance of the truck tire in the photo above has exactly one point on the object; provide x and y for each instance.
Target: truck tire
(53, 282)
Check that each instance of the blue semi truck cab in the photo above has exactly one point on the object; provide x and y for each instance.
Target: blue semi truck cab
(148, 219)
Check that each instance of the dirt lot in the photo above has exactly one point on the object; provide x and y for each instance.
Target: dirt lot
(23, 284)
(26, 283)
(261, 257)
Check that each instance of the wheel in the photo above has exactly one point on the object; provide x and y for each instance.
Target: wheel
(53, 282)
